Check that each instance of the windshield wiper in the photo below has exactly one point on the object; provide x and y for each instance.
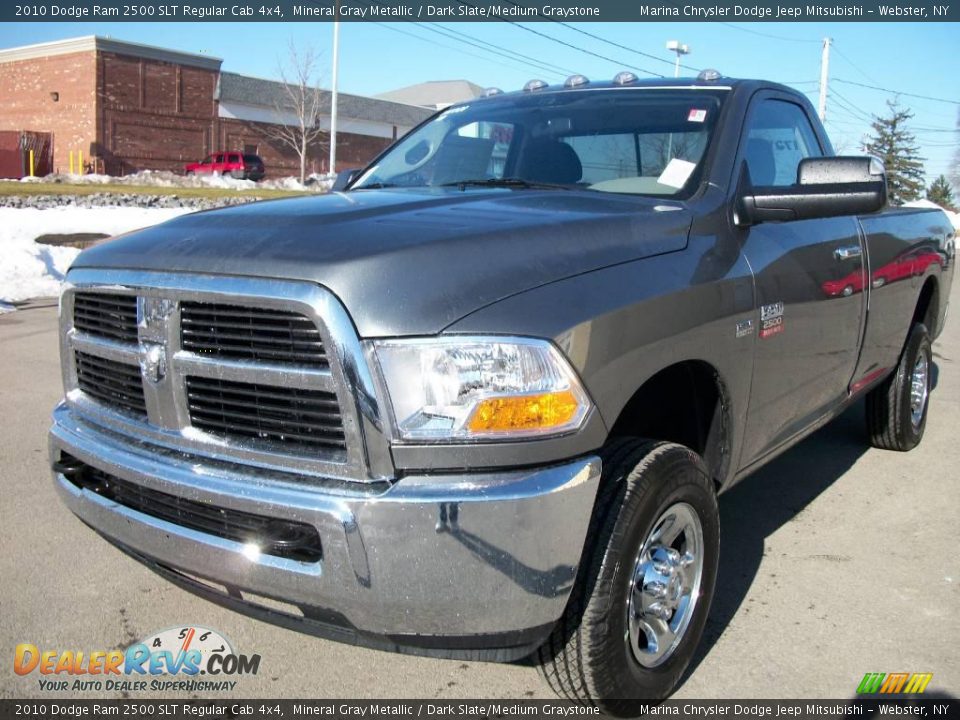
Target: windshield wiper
(374, 186)
(508, 182)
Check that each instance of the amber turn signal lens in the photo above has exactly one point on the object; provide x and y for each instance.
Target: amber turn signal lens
(526, 412)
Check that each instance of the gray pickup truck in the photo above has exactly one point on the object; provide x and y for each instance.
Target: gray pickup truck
(479, 402)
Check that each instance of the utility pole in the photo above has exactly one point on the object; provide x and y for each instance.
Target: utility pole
(333, 95)
(824, 78)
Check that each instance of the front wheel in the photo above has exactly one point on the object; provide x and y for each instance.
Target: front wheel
(647, 577)
(897, 408)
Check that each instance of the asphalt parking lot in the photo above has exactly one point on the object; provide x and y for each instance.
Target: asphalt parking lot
(837, 560)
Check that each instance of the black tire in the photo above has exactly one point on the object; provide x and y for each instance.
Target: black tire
(588, 658)
(890, 418)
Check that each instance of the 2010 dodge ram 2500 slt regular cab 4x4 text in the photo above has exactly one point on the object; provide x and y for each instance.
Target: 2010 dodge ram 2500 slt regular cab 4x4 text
(480, 402)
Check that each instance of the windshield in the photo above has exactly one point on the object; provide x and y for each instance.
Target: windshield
(639, 141)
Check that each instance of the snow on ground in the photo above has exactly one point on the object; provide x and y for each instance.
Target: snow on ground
(952, 216)
(165, 178)
(29, 269)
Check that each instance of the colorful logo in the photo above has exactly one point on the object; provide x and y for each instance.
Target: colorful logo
(894, 683)
(186, 652)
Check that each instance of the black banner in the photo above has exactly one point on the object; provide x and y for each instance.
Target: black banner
(479, 10)
(874, 707)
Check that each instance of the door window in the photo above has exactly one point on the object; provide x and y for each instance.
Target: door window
(779, 136)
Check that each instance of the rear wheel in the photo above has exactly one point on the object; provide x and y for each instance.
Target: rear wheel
(643, 593)
(897, 408)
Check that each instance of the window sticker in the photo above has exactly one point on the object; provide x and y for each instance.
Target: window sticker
(676, 173)
(698, 116)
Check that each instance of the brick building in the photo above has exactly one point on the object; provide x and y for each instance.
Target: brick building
(130, 107)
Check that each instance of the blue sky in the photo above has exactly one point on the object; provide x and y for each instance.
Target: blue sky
(919, 58)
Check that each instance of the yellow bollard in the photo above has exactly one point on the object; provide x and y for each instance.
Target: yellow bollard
(31, 163)
(71, 162)
(79, 162)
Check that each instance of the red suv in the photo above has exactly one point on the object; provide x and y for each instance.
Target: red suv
(239, 165)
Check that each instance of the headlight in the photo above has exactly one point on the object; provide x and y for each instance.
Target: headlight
(480, 388)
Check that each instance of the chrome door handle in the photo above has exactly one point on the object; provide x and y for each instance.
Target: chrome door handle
(849, 252)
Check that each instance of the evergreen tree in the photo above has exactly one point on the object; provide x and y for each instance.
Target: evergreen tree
(941, 193)
(896, 146)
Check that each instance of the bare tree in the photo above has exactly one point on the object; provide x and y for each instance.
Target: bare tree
(299, 105)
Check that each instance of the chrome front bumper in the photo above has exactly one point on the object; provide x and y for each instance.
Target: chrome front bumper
(471, 562)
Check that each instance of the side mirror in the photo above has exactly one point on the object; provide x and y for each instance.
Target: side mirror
(825, 187)
(344, 178)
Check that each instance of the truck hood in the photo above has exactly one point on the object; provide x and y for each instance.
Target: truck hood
(409, 262)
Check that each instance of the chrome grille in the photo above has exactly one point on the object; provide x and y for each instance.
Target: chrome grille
(113, 383)
(113, 317)
(268, 373)
(291, 416)
(243, 333)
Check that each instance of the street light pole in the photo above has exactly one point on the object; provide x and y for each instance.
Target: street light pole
(680, 49)
(824, 78)
(333, 96)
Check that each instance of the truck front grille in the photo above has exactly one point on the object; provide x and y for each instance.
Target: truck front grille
(259, 334)
(291, 416)
(113, 317)
(110, 382)
(272, 536)
(263, 372)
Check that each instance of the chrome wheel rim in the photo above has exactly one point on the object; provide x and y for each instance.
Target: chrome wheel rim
(665, 585)
(919, 389)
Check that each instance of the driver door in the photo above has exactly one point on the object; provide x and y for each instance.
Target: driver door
(810, 281)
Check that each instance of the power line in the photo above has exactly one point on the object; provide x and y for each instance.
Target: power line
(570, 45)
(616, 44)
(580, 49)
(768, 35)
(458, 37)
(623, 47)
(852, 63)
(897, 92)
(611, 42)
(854, 108)
(850, 107)
(460, 51)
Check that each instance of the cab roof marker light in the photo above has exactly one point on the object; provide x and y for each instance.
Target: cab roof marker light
(535, 85)
(625, 77)
(576, 81)
(491, 92)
